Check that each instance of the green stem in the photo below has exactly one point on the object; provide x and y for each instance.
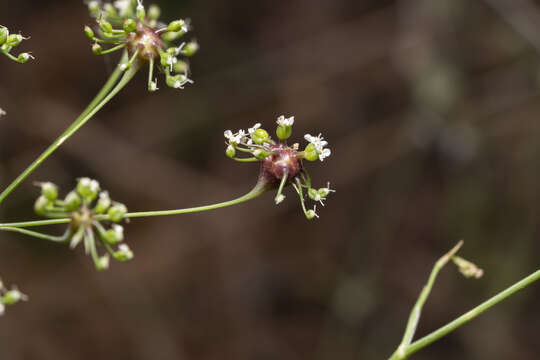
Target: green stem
(85, 116)
(39, 235)
(471, 314)
(258, 190)
(414, 317)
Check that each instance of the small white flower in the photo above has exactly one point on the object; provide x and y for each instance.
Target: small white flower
(283, 121)
(251, 130)
(122, 6)
(118, 232)
(103, 262)
(235, 138)
(319, 143)
(279, 198)
(125, 252)
(2, 112)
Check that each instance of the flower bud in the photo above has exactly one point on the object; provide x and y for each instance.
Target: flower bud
(41, 205)
(114, 235)
(14, 40)
(105, 26)
(116, 212)
(154, 12)
(89, 32)
(130, 25)
(314, 194)
(311, 153)
(260, 136)
(176, 25)
(13, 296)
(96, 49)
(88, 189)
(49, 191)
(102, 263)
(103, 203)
(124, 253)
(4, 33)
(72, 201)
(172, 35)
(190, 49)
(140, 12)
(230, 152)
(23, 58)
(181, 67)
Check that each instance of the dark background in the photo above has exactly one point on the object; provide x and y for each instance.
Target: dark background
(431, 110)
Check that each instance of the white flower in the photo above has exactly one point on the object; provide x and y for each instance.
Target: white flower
(235, 138)
(251, 130)
(319, 143)
(122, 6)
(118, 232)
(282, 121)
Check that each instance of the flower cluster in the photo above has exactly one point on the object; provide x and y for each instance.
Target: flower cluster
(9, 297)
(88, 207)
(281, 164)
(10, 41)
(125, 24)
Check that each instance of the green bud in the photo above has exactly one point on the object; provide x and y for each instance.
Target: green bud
(14, 40)
(13, 296)
(323, 192)
(310, 214)
(105, 26)
(4, 33)
(103, 203)
(96, 49)
(88, 189)
(124, 253)
(230, 152)
(260, 154)
(283, 132)
(311, 153)
(114, 235)
(260, 136)
(102, 263)
(89, 32)
(24, 57)
(154, 12)
(49, 191)
(172, 35)
(314, 194)
(116, 212)
(72, 201)
(190, 48)
(181, 67)
(140, 12)
(41, 205)
(176, 25)
(166, 58)
(130, 25)
(176, 81)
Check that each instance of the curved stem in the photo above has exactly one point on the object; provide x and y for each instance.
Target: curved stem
(471, 314)
(87, 114)
(39, 235)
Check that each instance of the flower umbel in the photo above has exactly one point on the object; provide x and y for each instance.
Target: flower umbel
(88, 207)
(10, 41)
(126, 24)
(281, 164)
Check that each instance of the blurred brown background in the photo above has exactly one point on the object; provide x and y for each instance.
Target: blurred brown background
(431, 110)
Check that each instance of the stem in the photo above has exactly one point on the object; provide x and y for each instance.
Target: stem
(39, 235)
(259, 189)
(471, 314)
(414, 317)
(79, 122)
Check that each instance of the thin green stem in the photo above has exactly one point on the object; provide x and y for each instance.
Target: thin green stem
(14, 58)
(471, 314)
(113, 49)
(25, 224)
(251, 159)
(151, 75)
(279, 197)
(85, 116)
(414, 317)
(39, 235)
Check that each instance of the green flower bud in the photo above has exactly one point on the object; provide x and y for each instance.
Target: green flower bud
(96, 49)
(72, 201)
(230, 152)
(283, 132)
(89, 32)
(140, 12)
(311, 153)
(172, 35)
(116, 212)
(105, 26)
(102, 263)
(154, 12)
(130, 25)
(314, 194)
(167, 59)
(103, 203)
(49, 191)
(88, 189)
(190, 48)
(181, 67)
(114, 235)
(260, 136)
(311, 214)
(124, 253)
(41, 205)
(24, 57)
(14, 40)
(176, 25)
(4, 33)
(13, 296)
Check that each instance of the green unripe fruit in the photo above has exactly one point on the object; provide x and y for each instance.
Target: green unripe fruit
(172, 35)
(130, 25)
(116, 212)
(49, 191)
(176, 25)
(106, 27)
(260, 136)
(230, 152)
(103, 203)
(88, 189)
(190, 48)
(181, 67)
(23, 58)
(89, 32)
(310, 214)
(4, 33)
(72, 201)
(96, 49)
(284, 132)
(41, 205)
(14, 40)
(311, 153)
